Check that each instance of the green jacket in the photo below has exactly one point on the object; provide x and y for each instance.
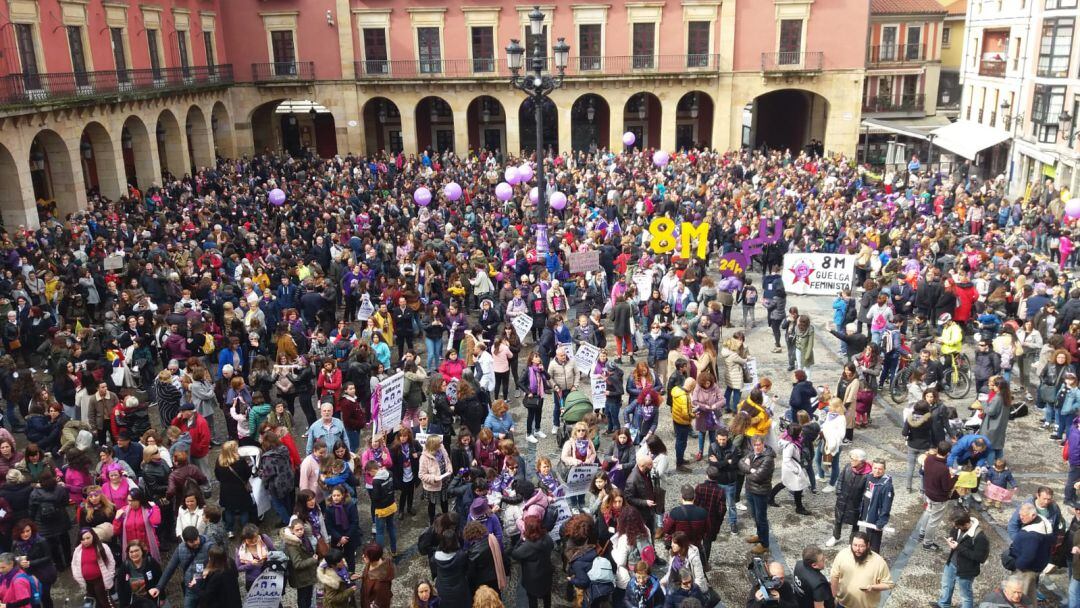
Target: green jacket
(302, 561)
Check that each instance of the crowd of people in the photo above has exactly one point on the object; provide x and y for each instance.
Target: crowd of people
(175, 357)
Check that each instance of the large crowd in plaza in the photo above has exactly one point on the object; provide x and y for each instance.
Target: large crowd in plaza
(157, 346)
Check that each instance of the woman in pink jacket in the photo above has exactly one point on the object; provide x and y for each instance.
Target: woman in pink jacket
(535, 505)
(94, 568)
(708, 402)
(435, 468)
(138, 520)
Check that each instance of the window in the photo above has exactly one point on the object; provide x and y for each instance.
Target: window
(284, 52)
(208, 46)
(1072, 133)
(182, 48)
(430, 53)
(590, 49)
(790, 42)
(375, 57)
(1046, 106)
(914, 43)
(530, 42)
(155, 58)
(995, 48)
(644, 45)
(24, 37)
(1054, 4)
(697, 44)
(1055, 46)
(78, 55)
(946, 35)
(116, 35)
(483, 48)
(887, 49)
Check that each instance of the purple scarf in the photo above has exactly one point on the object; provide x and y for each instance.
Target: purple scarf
(341, 518)
(536, 384)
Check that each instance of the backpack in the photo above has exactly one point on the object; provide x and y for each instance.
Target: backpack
(750, 296)
(35, 588)
(208, 344)
(850, 312)
(551, 517)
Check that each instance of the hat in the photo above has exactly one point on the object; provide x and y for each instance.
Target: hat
(187, 406)
(479, 508)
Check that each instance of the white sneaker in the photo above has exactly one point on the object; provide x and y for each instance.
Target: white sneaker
(531, 439)
(829, 488)
(554, 430)
(540, 435)
(740, 506)
(976, 498)
(820, 478)
(831, 542)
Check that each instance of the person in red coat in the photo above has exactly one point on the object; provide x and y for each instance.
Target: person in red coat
(191, 422)
(966, 296)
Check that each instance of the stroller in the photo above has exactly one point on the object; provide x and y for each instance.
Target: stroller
(575, 406)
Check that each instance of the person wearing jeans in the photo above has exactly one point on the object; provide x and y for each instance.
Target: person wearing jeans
(384, 504)
(535, 383)
(758, 466)
(681, 418)
(725, 457)
(968, 549)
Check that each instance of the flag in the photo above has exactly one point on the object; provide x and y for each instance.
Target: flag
(615, 227)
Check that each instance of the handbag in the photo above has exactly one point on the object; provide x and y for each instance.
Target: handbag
(531, 402)
(321, 547)
(15, 344)
(284, 385)
(1048, 395)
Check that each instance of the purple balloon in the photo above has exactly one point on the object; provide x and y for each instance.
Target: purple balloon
(1072, 207)
(512, 176)
(422, 196)
(628, 138)
(277, 197)
(534, 194)
(558, 201)
(452, 191)
(504, 191)
(525, 172)
(661, 158)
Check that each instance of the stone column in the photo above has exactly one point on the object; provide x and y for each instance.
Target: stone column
(669, 102)
(461, 130)
(110, 167)
(565, 124)
(615, 123)
(408, 129)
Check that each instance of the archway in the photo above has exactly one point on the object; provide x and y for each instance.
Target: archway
(590, 123)
(788, 119)
(527, 125)
(99, 161)
(200, 149)
(642, 116)
(138, 156)
(222, 129)
(295, 126)
(694, 121)
(382, 126)
(12, 206)
(434, 125)
(487, 124)
(51, 172)
(170, 151)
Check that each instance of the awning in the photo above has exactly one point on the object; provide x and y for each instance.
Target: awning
(967, 139)
(1042, 156)
(882, 126)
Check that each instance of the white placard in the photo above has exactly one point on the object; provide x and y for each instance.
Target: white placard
(564, 514)
(260, 495)
(391, 400)
(599, 392)
(818, 273)
(579, 478)
(366, 308)
(266, 591)
(113, 262)
(752, 371)
(451, 391)
(567, 347)
(522, 325)
(585, 357)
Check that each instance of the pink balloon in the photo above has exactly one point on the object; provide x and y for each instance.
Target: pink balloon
(504, 191)
(558, 201)
(534, 194)
(452, 191)
(525, 172)
(277, 197)
(422, 196)
(628, 138)
(1072, 207)
(512, 176)
(661, 158)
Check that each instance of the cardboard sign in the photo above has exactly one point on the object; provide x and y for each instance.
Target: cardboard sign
(366, 308)
(752, 371)
(818, 273)
(599, 393)
(451, 391)
(113, 262)
(541, 238)
(999, 493)
(564, 514)
(266, 591)
(579, 478)
(585, 357)
(584, 261)
(391, 402)
(522, 325)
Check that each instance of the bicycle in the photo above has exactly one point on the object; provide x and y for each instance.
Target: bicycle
(957, 380)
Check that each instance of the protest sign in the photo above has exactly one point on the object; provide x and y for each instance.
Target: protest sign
(366, 309)
(818, 273)
(522, 324)
(564, 514)
(451, 391)
(599, 393)
(579, 478)
(584, 261)
(752, 372)
(585, 357)
(266, 591)
(392, 393)
(114, 262)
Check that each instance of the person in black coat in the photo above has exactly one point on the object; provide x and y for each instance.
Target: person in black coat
(452, 571)
(218, 584)
(343, 524)
(405, 456)
(968, 550)
(16, 493)
(481, 560)
(136, 575)
(234, 475)
(534, 554)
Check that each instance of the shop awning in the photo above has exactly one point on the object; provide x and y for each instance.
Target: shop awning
(967, 139)
(883, 126)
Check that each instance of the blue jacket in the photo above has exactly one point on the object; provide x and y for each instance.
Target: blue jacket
(839, 307)
(286, 296)
(1031, 546)
(876, 510)
(1071, 404)
(336, 432)
(498, 425)
(225, 357)
(638, 596)
(658, 346)
(961, 452)
(1072, 438)
(1055, 519)
(802, 397)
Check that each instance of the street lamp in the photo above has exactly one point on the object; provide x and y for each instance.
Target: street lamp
(1010, 124)
(1066, 129)
(538, 86)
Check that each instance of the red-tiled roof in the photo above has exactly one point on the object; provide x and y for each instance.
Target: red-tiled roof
(905, 7)
(957, 8)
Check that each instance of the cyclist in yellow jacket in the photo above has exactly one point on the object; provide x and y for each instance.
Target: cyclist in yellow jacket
(682, 416)
(952, 336)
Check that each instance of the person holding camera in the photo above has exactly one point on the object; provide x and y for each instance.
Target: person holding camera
(771, 590)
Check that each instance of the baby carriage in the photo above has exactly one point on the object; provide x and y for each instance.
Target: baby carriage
(576, 405)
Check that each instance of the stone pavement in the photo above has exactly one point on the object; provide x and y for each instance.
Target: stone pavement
(915, 570)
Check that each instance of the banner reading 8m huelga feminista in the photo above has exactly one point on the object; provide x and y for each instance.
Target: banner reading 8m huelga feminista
(818, 273)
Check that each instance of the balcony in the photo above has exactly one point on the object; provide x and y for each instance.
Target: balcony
(31, 89)
(992, 67)
(283, 71)
(589, 66)
(895, 54)
(792, 62)
(886, 104)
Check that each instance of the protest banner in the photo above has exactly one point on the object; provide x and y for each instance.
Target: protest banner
(113, 262)
(522, 325)
(267, 590)
(366, 308)
(599, 393)
(579, 478)
(585, 357)
(584, 261)
(818, 273)
(391, 402)
(565, 513)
